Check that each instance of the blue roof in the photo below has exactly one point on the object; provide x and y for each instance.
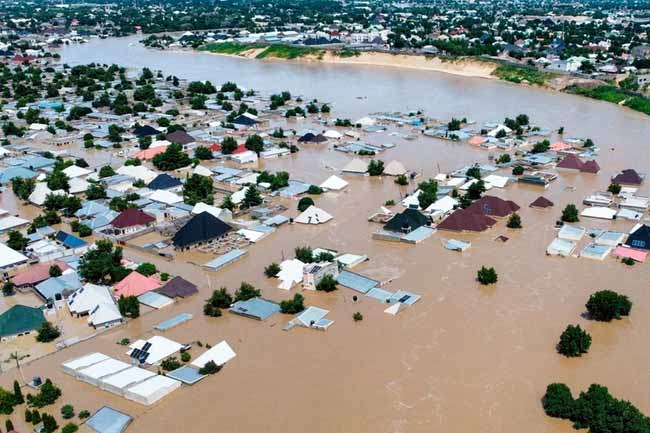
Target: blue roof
(12, 172)
(91, 208)
(57, 285)
(174, 321)
(225, 259)
(356, 282)
(379, 294)
(70, 241)
(186, 374)
(404, 297)
(164, 181)
(295, 188)
(256, 308)
(108, 420)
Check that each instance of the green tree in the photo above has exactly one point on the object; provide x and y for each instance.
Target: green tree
(246, 291)
(487, 276)
(48, 394)
(55, 271)
(606, 305)
(574, 341)
(228, 145)
(614, 188)
(304, 203)
(327, 283)
(67, 411)
(514, 221)
(172, 158)
(272, 270)
(70, 428)
(203, 153)
(171, 363)
(210, 367)
(294, 305)
(197, 189)
(558, 401)
(57, 180)
(18, 393)
(517, 170)
(375, 167)
(17, 241)
(47, 332)
(129, 306)
(252, 197)
(255, 143)
(570, 214)
(304, 254)
(146, 269)
(357, 317)
(220, 298)
(106, 171)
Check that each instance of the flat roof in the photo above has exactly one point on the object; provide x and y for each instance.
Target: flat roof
(108, 420)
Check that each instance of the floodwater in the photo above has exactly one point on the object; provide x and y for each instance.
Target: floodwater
(464, 358)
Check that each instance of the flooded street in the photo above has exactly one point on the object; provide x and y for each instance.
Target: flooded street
(466, 357)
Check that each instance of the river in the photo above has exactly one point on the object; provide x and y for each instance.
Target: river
(465, 358)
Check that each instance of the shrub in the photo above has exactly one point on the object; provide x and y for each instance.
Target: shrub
(327, 283)
(314, 190)
(401, 180)
(517, 170)
(211, 311)
(47, 332)
(164, 276)
(514, 222)
(146, 269)
(246, 291)
(67, 411)
(210, 368)
(304, 254)
(570, 214)
(48, 394)
(171, 363)
(376, 168)
(185, 356)
(220, 298)
(487, 275)
(304, 203)
(574, 341)
(293, 306)
(606, 305)
(628, 261)
(272, 270)
(358, 317)
(70, 428)
(614, 188)
(84, 414)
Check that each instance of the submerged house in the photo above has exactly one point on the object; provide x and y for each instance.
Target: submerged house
(628, 177)
(313, 273)
(541, 202)
(640, 238)
(200, 229)
(178, 287)
(131, 221)
(20, 320)
(493, 206)
(466, 220)
(407, 221)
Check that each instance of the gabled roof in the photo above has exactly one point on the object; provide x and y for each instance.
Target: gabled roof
(407, 221)
(628, 177)
(244, 120)
(180, 137)
(590, 166)
(37, 273)
(164, 181)
(19, 319)
(178, 287)
(145, 131)
(542, 202)
(466, 220)
(200, 228)
(493, 206)
(132, 217)
(570, 162)
(640, 238)
(135, 284)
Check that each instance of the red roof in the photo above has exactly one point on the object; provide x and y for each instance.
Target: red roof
(466, 220)
(590, 167)
(571, 162)
(493, 206)
(542, 202)
(37, 273)
(240, 149)
(135, 284)
(132, 217)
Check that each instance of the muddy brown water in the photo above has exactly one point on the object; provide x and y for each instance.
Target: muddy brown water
(464, 358)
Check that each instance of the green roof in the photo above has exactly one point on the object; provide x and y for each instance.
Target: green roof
(19, 319)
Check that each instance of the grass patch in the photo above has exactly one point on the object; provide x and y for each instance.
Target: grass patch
(639, 103)
(602, 93)
(287, 52)
(519, 74)
(346, 53)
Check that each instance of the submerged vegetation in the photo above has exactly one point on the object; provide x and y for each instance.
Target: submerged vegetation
(614, 95)
(522, 74)
(287, 52)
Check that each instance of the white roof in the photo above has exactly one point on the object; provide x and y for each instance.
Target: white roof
(471, 182)
(496, 180)
(356, 166)
(159, 143)
(104, 368)
(238, 196)
(11, 221)
(160, 349)
(599, 212)
(138, 172)
(412, 200)
(571, 233)
(202, 171)
(440, 177)
(365, 121)
(86, 298)
(244, 157)
(444, 204)
(455, 181)
(78, 185)
(75, 171)
(250, 178)
(219, 354)
(290, 273)
(313, 215)
(164, 196)
(127, 377)
(40, 193)
(332, 134)
(496, 130)
(85, 361)
(9, 257)
(334, 183)
(218, 212)
(104, 312)
(394, 168)
(152, 389)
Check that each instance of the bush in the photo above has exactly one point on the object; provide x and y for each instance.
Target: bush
(129, 306)
(185, 356)
(327, 283)
(517, 170)
(171, 363)
(47, 332)
(146, 269)
(558, 401)
(314, 190)
(574, 341)
(614, 188)
(210, 368)
(293, 306)
(358, 317)
(628, 261)
(84, 414)
(606, 305)
(67, 411)
(272, 270)
(70, 428)
(211, 311)
(570, 214)
(164, 276)
(401, 180)
(220, 298)
(376, 168)
(304, 254)
(304, 203)
(487, 275)
(514, 222)
(48, 394)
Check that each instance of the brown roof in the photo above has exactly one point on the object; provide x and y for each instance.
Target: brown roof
(570, 162)
(590, 167)
(180, 137)
(132, 217)
(466, 220)
(178, 287)
(628, 177)
(542, 202)
(37, 273)
(493, 206)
